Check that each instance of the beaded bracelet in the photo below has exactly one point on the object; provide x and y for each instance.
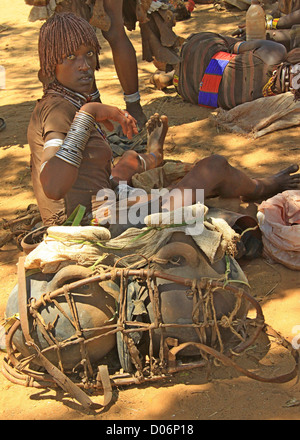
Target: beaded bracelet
(271, 23)
(76, 139)
(238, 48)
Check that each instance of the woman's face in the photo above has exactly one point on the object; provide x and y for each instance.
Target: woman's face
(76, 72)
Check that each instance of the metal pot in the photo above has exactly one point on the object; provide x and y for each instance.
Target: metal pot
(93, 307)
(179, 306)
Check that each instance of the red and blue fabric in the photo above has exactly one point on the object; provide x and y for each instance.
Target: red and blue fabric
(209, 86)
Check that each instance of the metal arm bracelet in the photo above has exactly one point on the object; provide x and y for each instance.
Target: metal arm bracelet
(77, 137)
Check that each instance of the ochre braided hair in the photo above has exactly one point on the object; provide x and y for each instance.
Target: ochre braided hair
(61, 35)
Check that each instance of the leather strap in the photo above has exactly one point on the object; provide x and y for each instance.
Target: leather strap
(22, 300)
(62, 380)
(103, 375)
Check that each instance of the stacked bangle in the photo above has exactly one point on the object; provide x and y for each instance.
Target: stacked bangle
(77, 137)
(271, 23)
(269, 20)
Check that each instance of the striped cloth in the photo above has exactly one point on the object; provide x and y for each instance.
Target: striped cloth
(209, 86)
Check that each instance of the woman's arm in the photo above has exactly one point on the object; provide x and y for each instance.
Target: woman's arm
(58, 173)
(284, 22)
(287, 21)
(107, 113)
(269, 51)
(56, 176)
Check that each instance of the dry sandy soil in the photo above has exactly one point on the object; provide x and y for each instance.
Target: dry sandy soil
(227, 395)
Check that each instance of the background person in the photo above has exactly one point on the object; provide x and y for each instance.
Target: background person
(247, 70)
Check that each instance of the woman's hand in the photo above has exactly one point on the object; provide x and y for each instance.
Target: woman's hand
(107, 113)
(240, 32)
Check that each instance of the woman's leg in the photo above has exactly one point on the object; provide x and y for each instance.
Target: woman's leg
(124, 57)
(216, 177)
(131, 162)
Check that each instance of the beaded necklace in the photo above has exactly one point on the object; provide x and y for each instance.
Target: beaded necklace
(281, 78)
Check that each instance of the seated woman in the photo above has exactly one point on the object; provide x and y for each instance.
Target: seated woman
(219, 71)
(71, 158)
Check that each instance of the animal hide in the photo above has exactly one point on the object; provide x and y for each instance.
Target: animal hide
(259, 117)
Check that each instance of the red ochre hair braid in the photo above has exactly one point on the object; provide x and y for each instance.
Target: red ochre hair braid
(61, 35)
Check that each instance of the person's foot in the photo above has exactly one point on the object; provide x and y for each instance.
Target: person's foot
(284, 180)
(157, 128)
(136, 110)
(162, 80)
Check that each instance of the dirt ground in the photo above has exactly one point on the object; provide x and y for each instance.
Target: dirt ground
(226, 395)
